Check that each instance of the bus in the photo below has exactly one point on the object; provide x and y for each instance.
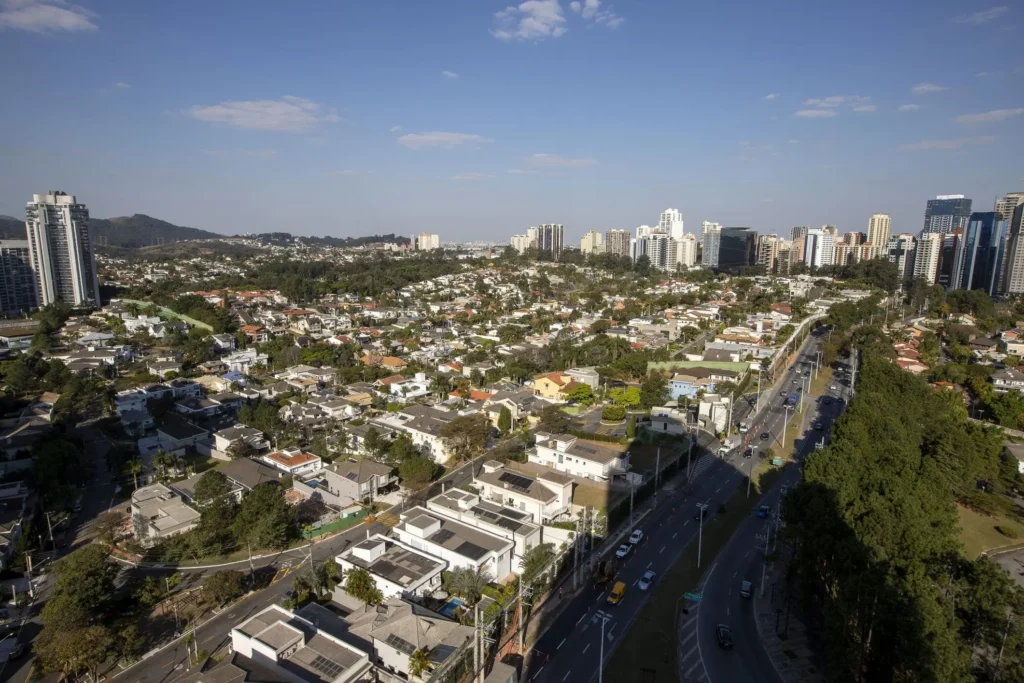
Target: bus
(793, 399)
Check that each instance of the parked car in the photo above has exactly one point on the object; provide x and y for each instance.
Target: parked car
(724, 635)
(646, 580)
(745, 589)
(819, 426)
(832, 387)
(17, 651)
(623, 550)
(636, 536)
(765, 436)
(764, 511)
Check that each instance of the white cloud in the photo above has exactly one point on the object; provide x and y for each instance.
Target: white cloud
(440, 139)
(240, 153)
(450, 75)
(834, 101)
(908, 107)
(522, 171)
(771, 96)
(530, 20)
(865, 108)
(816, 113)
(472, 175)
(983, 16)
(947, 144)
(288, 114)
(348, 173)
(591, 11)
(984, 74)
(923, 88)
(122, 85)
(555, 161)
(394, 129)
(989, 116)
(792, 142)
(44, 16)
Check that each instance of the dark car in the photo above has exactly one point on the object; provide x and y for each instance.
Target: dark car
(765, 436)
(724, 636)
(17, 651)
(749, 453)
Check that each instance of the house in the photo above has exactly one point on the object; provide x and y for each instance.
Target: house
(256, 334)
(519, 403)
(1014, 347)
(348, 481)
(197, 408)
(1006, 379)
(983, 345)
(224, 342)
(456, 543)
(689, 382)
(578, 458)
(159, 513)
(713, 412)
(293, 462)
(544, 498)
(225, 438)
(397, 571)
(555, 385)
(668, 419)
(163, 368)
(177, 433)
(587, 376)
(277, 646)
(423, 425)
(493, 517)
(390, 362)
(244, 361)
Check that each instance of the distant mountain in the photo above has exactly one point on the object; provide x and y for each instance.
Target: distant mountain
(129, 232)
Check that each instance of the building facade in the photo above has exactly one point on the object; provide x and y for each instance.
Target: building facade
(1013, 277)
(878, 229)
(768, 252)
(946, 213)
(900, 250)
(617, 242)
(671, 223)
(683, 252)
(737, 249)
(550, 238)
(819, 248)
(927, 256)
(61, 250)
(592, 243)
(17, 281)
(426, 241)
(980, 253)
(521, 243)
(711, 238)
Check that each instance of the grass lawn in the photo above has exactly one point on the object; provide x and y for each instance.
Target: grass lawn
(978, 531)
(648, 650)
(595, 497)
(820, 385)
(201, 463)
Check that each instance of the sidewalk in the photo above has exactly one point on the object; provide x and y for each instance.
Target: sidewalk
(782, 633)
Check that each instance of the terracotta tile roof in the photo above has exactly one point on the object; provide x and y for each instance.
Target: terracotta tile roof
(289, 460)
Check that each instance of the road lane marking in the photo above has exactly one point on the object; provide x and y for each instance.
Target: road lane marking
(566, 675)
(561, 643)
(538, 672)
(726, 611)
(634, 583)
(673, 536)
(649, 564)
(662, 550)
(585, 649)
(718, 489)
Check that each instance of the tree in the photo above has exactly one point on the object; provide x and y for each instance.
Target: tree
(70, 653)
(466, 582)
(652, 391)
(374, 444)
(107, 525)
(402, 449)
(417, 471)
(360, 585)
(504, 420)
(134, 467)
(628, 397)
(211, 485)
(240, 448)
(419, 662)
(466, 435)
(440, 386)
(536, 559)
(553, 419)
(326, 575)
(631, 427)
(600, 326)
(264, 519)
(613, 413)
(224, 586)
(581, 393)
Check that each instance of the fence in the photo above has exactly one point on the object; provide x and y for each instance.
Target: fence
(337, 525)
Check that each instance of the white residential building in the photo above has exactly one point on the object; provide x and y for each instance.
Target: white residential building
(900, 250)
(592, 243)
(819, 248)
(578, 458)
(159, 513)
(521, 243)
(61, 250)
(683, 252)
(243, 361)
(671, 223)
(458, 544)
(426, 241)
(878, 230)
(711, 236)
(397, 571)
(544, 498)
(294, 462)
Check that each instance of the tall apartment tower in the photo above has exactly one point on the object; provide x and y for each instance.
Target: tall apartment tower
(819, 248)
(768, 252)
(1005, 205)
(426, 241)
(946, 213)
(671, 223)
(61, 250)
(683, 252)
(878, 230)
(711, 239)
(1013, 269)
(592, 243)
(17, 281)
(927, 257)
(521, 243)
(617, 242)
(980, 253)
(550, 238)
(900, 250)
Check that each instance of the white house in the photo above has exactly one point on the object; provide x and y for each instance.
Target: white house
(159, 513)
(423, 425)
(544, 498)
(456, 543)
(397, 571)
(578, 458)
(243, 361)
(294, 462)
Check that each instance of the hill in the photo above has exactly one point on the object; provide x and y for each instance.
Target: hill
(129, 232)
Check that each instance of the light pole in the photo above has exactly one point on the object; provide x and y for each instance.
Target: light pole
(750, 472)
(700, 530)
(785, 426)
(604, 617)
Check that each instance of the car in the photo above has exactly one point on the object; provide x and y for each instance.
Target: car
(796, 381)
(724, 636)
(623, 550)
(646, 580)
(832, 387)
(749, 452)
(745, 589)
(764, 511)
(765, 436)
(17, 651)
(800, 389)
(618, 592)
(818, 426)
(636, 537)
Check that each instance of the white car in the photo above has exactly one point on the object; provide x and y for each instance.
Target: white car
(636, 537)
(646, 580)
(832, 387)
(623, 551)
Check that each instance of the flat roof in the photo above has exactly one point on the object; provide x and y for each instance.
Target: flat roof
(455, 537)
(397, 564)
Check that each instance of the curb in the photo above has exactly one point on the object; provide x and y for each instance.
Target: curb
(760, 632)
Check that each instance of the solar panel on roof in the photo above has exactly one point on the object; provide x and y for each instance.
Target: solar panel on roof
(586, 449)
(515, 514)
(510, 524)
(441, 653)
(470, 550)
(441, 536)
(516, 481)
(351, 476)
(329, 668)
(400, 644)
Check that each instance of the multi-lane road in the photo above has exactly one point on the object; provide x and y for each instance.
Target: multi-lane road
(570, 648)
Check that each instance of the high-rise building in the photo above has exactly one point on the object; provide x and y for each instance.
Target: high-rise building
(878, 229)
(671, 223)
(711, 238)
(617, 242)
(784, 258)
(848, 248)
(1006, 205)
(61, 250)
(926, 257)
(533, 237)
(980, 255)
(521, 243)
(550, 238)
(426, 241)
(592, 243)
(819, 248)
(768, 252)
(737, 249)
(798, 231)
(900, 250)
(946, 213)
(645, 231)
(948, 257)
(1013, 278)
(683, 252)
(831, 230)
(17, 281)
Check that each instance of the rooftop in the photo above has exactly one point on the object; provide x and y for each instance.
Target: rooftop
(451, 535)
(397, 564)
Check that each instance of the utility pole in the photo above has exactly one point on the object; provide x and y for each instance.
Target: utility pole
(604, 617)
(49, 527)
(657, 468)
(750, 473)
(28, 562)
(689, 452)
(700, 530)
(631, 487)
(785, 426)
(522, 615)
(764, 560)
(758, 406)
(476, 639)
(576, 555)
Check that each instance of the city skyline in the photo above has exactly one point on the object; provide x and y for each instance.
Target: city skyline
(435, 125)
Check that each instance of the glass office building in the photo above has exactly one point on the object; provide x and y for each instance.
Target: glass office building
(737, 249)
(980, 253)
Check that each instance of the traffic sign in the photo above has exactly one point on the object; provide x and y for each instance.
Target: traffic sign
(695, 597)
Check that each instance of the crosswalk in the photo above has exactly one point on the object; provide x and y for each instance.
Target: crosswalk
(703, 462)
(691, 668)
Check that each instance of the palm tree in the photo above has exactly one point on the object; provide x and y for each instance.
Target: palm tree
(419, 662)
(467, 583)
(134, 466)
(440, 386)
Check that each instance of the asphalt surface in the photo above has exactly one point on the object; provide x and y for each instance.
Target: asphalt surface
(742, 560)
(570, 649)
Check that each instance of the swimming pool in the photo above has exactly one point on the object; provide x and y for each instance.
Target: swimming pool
(451, 607)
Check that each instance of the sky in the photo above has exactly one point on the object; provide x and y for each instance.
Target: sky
(475, 119)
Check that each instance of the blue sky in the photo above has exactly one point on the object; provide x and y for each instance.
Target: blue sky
(476, 119)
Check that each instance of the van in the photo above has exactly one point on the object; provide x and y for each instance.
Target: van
(745, 589)
(618, 592)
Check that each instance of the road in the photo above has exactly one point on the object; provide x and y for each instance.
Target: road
(569, 649)
(742, 560)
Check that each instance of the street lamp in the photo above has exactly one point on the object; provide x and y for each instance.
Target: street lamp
(605, 618)
(785, 426)
(700, 530)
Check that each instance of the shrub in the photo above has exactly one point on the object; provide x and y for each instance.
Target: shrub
(1006, 531)
(613, 413)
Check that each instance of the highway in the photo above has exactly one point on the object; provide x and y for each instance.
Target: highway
(742, 560)
(569, 649)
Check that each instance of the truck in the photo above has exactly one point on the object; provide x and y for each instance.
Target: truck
(605, 571)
